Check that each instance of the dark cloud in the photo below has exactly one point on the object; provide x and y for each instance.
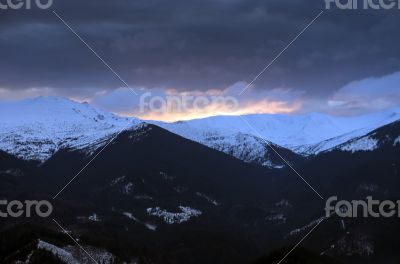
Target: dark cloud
(198, 44)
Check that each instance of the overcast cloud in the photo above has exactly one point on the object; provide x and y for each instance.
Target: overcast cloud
(201, 45)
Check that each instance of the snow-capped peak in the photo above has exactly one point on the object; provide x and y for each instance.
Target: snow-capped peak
(36, 128)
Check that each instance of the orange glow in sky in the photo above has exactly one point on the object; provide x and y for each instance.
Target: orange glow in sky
(261, 107)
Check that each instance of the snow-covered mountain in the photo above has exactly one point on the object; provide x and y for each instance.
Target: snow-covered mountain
(36, 128)
(304, 134)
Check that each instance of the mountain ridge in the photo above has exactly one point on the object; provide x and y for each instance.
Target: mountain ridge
(36, 128)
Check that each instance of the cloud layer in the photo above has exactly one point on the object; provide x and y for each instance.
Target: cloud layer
(200, 46)
(357, 97)
(173, 105)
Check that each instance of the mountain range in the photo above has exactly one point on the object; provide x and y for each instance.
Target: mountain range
(35, 129)
(214, 190)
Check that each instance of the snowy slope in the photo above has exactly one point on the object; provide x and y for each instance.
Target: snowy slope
(355, 127)
(34, 129)
(242, 145)
(386, 136)
(75, 255)
(304, 134)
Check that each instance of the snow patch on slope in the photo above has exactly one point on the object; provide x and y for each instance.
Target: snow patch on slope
(130, 216)
(75, 255)
(396, 141)
(127, 189)
(278, 218)
(207, 198)
(94, 218)
(174, 218)
(64, 255)
(306, 227)
(362, 144)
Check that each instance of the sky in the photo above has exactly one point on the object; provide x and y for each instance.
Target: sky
(347, 62)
